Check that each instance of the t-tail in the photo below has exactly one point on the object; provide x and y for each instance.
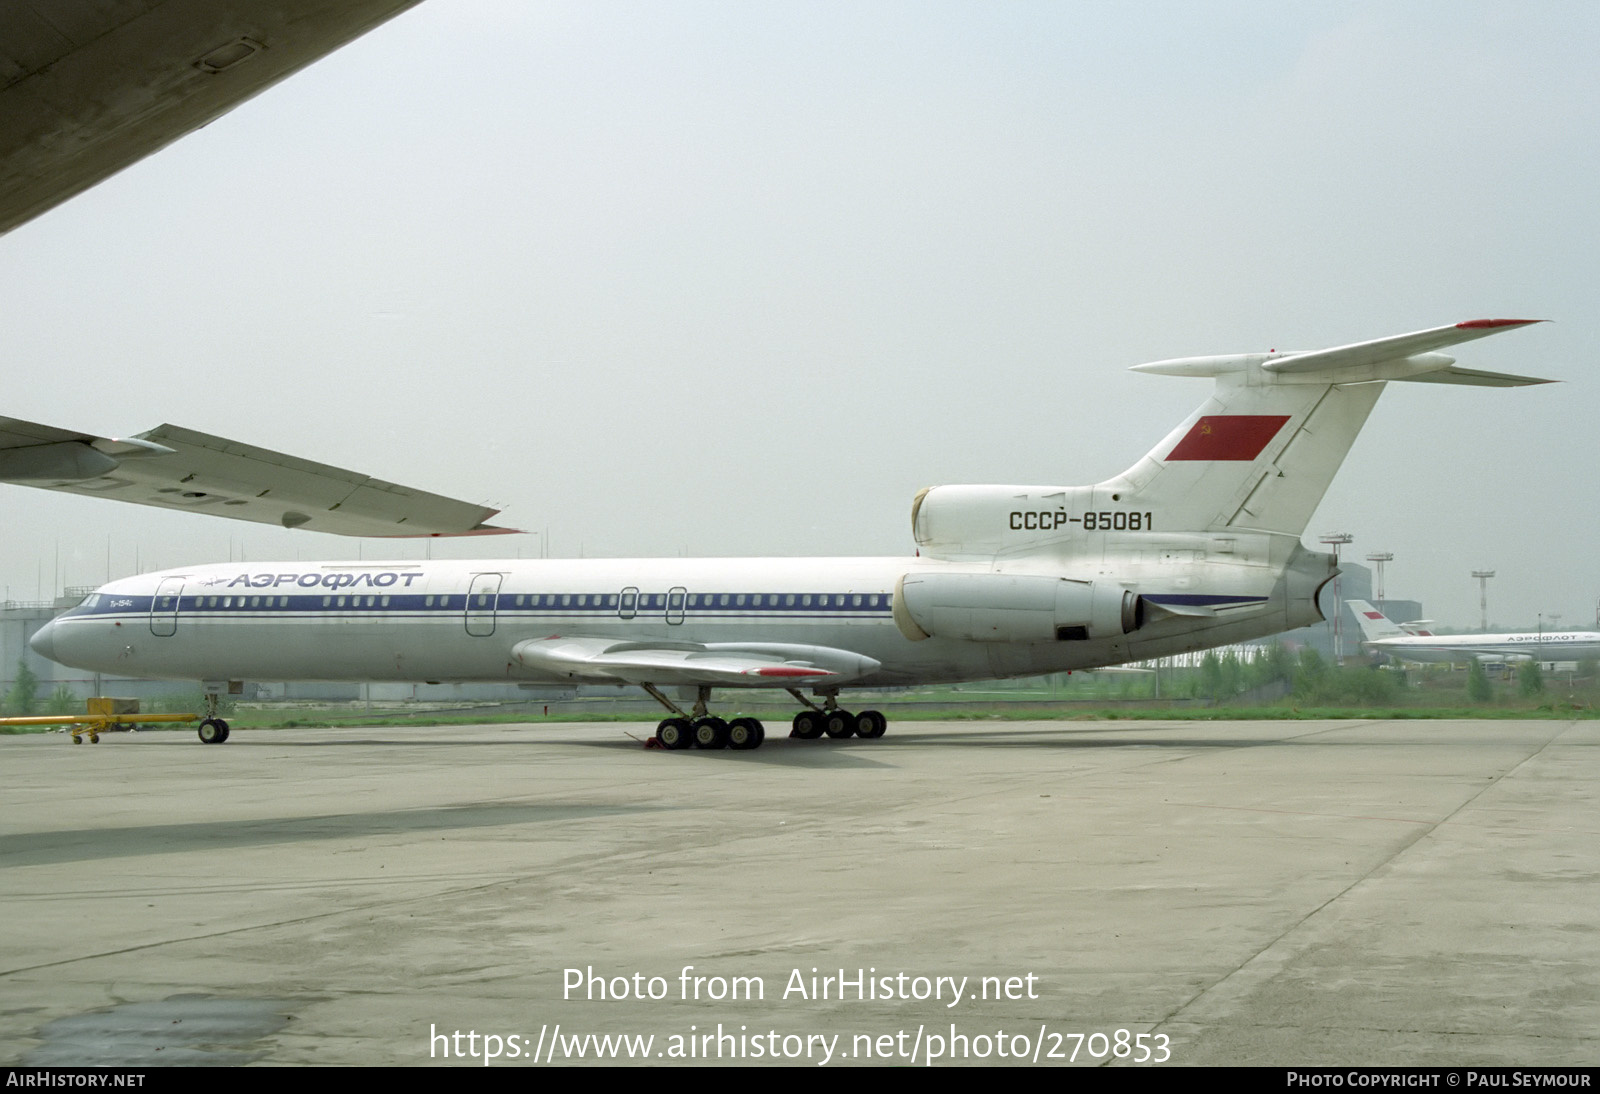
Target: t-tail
(1202, 533)
(1259, 455)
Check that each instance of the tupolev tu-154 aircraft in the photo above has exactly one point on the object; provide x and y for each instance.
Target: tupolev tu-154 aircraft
(1196, 545)
(1381, 635)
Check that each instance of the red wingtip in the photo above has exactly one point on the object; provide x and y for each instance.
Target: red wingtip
(1491, 324)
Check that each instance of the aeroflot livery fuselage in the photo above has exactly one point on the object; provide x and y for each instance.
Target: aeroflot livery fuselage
(1382, 636)
(1196, 545)
(482, 621)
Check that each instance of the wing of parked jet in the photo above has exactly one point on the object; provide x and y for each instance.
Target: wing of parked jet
(87, 88)
(752, 664)
(177, 468)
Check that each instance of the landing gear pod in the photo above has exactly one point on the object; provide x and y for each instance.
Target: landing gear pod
(1013, 608)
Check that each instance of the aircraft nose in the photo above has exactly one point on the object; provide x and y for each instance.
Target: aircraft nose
(44, 641)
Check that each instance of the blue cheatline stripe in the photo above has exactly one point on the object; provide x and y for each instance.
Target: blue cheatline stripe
(540, 604)
(1201, 599)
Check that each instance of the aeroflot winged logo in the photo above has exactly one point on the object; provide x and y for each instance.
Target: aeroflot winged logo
(1228, 437)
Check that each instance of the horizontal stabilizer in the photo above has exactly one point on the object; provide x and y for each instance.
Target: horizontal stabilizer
(1395, 348)
(1411, 356)
(175, 468)
(1475, 378)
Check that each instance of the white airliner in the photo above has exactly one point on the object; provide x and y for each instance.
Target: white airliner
(1383, 636)
(1196, 545)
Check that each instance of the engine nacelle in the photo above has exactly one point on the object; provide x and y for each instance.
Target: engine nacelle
(1013, 608)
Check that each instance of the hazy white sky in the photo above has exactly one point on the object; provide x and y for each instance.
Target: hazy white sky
(729, 278)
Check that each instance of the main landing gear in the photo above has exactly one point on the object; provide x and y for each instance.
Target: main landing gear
(213, 730)
(829, 721)
(699, 729)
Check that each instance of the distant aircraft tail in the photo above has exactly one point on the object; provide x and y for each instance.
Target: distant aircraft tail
(1259, 455)
(1374, 624)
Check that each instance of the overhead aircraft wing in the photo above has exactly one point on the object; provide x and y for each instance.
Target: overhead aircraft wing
(177, 468)
(87, 88)
(748, 664)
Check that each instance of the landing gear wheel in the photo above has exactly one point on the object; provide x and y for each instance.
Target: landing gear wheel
(213, 731)
(807, 725)
(710, 732)
(871, 725)
(745, 733)
(839, 724)
(674, 733)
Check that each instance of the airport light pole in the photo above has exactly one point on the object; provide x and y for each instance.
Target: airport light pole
(1378, 558)
(1483, 577)
(1335, 540)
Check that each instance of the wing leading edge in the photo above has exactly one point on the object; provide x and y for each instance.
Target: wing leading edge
(175, 468)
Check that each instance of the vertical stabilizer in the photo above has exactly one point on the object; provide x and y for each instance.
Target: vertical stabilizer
(1259, 455)
(1374, 624)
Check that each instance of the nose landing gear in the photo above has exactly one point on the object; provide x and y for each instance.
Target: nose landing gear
(213, 730)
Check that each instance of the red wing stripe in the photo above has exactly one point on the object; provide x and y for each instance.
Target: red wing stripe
(1228, 437)
(791, 670)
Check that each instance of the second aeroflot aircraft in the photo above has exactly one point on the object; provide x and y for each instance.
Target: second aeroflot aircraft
(1380, 635)
(1196, 545)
